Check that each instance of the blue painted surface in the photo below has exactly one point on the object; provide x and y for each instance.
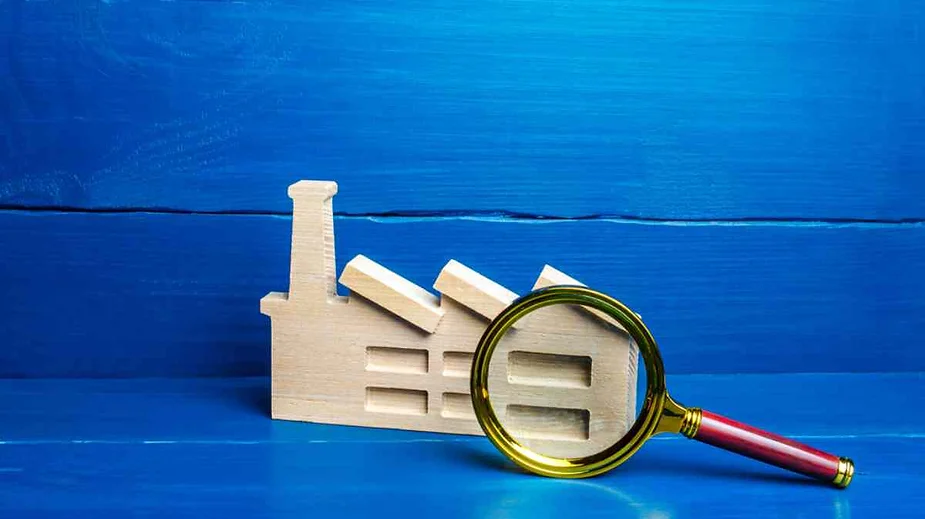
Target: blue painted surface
(745, 174)
(207, 448)
(724, 109)
(103, 295)
(215, 410)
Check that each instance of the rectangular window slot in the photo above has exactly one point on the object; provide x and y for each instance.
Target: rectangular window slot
(396, 360)
(547, 423)
(545, 369)
(396, 401)
(457, 364)
(457, 405)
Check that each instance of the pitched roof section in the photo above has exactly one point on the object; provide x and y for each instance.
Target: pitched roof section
(393, 292)
(473, 290)
(421, 308)
(551, 276)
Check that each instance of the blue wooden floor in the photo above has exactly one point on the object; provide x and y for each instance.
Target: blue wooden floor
(206, 448)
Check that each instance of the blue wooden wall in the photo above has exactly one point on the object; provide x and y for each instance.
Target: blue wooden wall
(747, 174)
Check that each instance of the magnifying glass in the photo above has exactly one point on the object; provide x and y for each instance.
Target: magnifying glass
(533, 436)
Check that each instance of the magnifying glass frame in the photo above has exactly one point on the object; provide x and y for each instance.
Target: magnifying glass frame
(659, 413)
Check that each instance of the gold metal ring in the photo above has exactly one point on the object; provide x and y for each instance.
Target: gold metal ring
(659, 412)
(845, 472)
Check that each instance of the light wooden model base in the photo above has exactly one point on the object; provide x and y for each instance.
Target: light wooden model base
(395, 355)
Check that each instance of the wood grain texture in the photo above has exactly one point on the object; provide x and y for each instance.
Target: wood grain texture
(473, 290)
(373, 358)
(393, 293)
(173, 295)
(205, 448)
(802, 109)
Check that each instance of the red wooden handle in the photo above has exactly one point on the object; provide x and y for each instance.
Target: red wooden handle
(733, 436)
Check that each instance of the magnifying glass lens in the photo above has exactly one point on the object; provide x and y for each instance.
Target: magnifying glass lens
(555, 381)
(564, 381)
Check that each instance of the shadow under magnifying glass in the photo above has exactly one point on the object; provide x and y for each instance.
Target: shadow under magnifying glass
(639, 488)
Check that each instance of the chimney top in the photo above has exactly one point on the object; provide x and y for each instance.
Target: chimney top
(313, 189)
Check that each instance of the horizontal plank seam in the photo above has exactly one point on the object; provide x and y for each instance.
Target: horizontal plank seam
(266, 377)
(77, 377)
(450, 439)
(492, 215)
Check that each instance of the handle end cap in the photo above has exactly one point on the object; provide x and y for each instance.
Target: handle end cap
(845, 473)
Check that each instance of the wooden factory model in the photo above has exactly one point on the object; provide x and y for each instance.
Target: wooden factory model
(394, 355)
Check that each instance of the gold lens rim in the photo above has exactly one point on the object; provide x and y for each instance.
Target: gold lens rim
(646, 423)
